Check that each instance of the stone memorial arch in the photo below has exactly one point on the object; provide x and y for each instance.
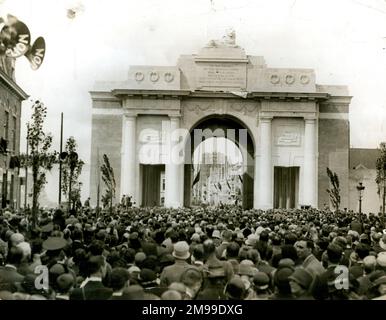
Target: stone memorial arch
(293, 128)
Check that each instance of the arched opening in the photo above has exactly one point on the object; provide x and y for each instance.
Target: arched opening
(217, 170)
(216, 128)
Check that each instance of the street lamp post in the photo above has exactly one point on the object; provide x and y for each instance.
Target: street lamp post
(360, 188)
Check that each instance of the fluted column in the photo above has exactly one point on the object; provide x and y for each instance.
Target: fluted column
(265, 165)
(128, 156)
(173, 171)
(309, 167)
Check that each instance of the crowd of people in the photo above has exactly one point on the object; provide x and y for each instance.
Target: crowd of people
(198, 253)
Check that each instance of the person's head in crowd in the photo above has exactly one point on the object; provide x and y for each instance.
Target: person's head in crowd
(281, 280)
(96, 248)
(290, 238)
(369, 264)
(235, 289)
(362, 250)
(148, 278)
(165, 260)
(133, 292)
(290, 252)
(232, 250)
(226, 235)
(381, 261)
(134, 272)
(139, 258)
(198, 254)
(300, 282)
(171, 295)
(261, 282)
(14, 256)
(119, 279)
(15, 239)
(27, 251)
(276, 240)
(181, 288)
(96, 266)
(151, 262)
(254, 256)
(209, 248)
(64, 283)
(304, 248)
(181, 250)
(192, 279)
(334, 253)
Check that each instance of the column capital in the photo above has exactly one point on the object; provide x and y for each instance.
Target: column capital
(265, 119)
(174, 117)
(130, 116)
(310, 120)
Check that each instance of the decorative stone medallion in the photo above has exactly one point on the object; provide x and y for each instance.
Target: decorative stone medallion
(304, 79)
(275, 79)
(169, 77)
(289, 79)
(139, 76)
(154, 76)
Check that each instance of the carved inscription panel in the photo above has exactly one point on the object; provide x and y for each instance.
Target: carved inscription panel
(221, 74)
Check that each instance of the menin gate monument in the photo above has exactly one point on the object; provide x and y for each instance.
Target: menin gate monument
(294, 128)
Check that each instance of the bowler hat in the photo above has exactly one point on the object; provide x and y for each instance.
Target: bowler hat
(381, 259)
(302, 277)
(54, 243)
(235, 289)
(65, 281)
(181, 250)
(261, 280)
(251, 240)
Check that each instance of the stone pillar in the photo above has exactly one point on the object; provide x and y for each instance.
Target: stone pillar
(309, 167)
(265, 165)
(128, 157)
(173, 196)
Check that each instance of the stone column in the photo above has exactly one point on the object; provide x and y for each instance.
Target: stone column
(173, 169)
(309, 167)
(128, 156)
(265, 164)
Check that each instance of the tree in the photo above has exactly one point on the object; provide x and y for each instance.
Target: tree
(334, 191)
(109, 181)
(380, 178)
(71, 170)
(39, 157)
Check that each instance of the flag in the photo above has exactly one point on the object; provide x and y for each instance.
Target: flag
(229, 186)
(241, 179)
(219, 186)
(215, 186)
(197, 178)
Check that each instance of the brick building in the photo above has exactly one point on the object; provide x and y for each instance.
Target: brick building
(11, 97)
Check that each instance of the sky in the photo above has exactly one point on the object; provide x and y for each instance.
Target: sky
(343, 41)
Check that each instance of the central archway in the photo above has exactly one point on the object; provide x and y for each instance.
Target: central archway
(233, 129)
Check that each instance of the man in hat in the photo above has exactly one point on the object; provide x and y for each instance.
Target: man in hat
(261, 283)
(300, 283)
(9, 277)
(173, 273)
(119, 281)
(235, 289)
(64, 284)
(216, 274)
(192, 279)
(92, 288)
